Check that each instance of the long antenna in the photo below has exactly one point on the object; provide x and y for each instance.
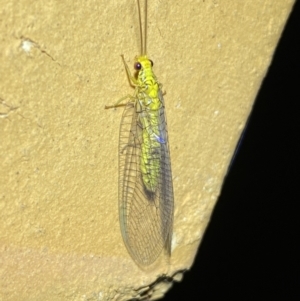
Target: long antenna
(141, 31)
(145, 31)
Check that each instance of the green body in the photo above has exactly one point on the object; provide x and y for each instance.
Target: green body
(148, 107)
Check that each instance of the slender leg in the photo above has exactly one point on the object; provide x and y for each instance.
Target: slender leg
(132, 79)
(133, 82)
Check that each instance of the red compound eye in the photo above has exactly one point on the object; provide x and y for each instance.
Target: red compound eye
(137, 66)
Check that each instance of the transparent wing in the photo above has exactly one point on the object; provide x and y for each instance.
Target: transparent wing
(146, 218)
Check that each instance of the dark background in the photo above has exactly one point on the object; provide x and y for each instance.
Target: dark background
(250, 250)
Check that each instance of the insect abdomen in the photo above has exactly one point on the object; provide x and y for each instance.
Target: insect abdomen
(151, 150)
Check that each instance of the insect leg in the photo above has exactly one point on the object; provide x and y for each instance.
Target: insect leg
(119, 104)
(132, 79)
(133, 82)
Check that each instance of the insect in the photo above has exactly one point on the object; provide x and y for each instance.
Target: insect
(146, 201)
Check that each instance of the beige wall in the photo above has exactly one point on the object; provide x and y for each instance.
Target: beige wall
(60, 65)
